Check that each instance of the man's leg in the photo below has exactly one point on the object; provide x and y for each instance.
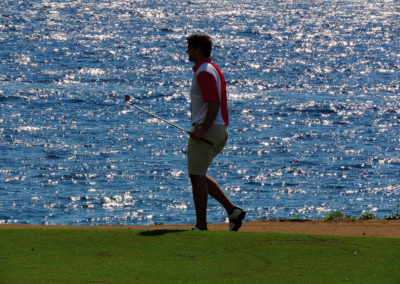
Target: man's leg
(202, 186)
(200, 198)
(218, 194)
(235, 214)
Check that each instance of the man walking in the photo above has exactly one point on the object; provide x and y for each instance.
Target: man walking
(210, 118)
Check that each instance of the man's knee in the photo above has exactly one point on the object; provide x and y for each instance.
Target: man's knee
(197, 178)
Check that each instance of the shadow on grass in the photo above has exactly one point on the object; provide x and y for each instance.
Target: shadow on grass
(159, 232)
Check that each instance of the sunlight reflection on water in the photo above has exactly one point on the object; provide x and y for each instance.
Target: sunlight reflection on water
(313, 102)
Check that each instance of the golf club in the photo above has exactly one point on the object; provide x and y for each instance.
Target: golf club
(127, 98)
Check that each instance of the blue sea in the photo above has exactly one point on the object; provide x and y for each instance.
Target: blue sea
(313, 97)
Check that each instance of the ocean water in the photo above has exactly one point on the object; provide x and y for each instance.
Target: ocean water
(313, 96)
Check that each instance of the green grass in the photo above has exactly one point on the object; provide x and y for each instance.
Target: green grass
(118, 255)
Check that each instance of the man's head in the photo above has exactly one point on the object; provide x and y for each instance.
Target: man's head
(199, 45)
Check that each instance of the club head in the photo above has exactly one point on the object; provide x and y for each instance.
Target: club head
(127, 98)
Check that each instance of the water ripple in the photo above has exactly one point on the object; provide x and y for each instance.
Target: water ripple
(313, 102)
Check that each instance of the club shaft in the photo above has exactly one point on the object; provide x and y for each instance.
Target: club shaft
(164, 120)
(160, 118)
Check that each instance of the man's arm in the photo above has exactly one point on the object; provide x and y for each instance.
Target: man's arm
(212, 112)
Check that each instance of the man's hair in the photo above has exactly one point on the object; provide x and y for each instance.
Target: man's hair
(201, 41)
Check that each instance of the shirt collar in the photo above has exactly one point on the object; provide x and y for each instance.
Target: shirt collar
(204, 60)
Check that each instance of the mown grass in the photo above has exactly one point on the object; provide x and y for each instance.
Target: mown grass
(132, 256)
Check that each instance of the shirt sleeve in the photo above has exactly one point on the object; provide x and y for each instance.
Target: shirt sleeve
(208, 86)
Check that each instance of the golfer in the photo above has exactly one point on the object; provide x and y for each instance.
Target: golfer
(210, 118)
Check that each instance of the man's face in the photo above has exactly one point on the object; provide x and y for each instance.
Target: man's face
(194, 53)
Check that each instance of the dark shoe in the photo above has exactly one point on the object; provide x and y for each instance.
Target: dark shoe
(236, 217)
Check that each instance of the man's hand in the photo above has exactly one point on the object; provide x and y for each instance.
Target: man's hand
(197, 134)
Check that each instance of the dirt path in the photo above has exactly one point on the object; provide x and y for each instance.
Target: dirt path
(370, 228)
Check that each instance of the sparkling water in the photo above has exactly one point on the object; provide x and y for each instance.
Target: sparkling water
(313, 97)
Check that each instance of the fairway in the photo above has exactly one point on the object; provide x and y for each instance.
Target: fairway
(115, 255)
